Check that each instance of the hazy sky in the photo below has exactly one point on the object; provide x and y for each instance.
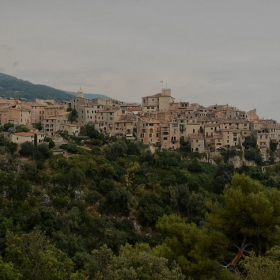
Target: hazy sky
(207, 51)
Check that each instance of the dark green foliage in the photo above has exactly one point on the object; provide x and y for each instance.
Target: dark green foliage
(17, 88)
(35, 140)
(27, 149)
(10, 146)
(35, 258)
(247, 214)
(118, 149)
(38, 126)
(43, 218)
(93, 197)
(185, 147)
(250, 142)
(150, 209)
(50, 141)
(133, 263)
(230, 154)
(117, 201)
(147, 157)
(90, 131)
(223, 176)
(195, 166)
(186, 203)
(133, 149)
(106, 185)
(89, 198)
(254, 155)
(76, 177)
(71, 148)
(166, 159)
(273, 145)
(73, 116)
(196, 249)
(44, 151)
(8, 125)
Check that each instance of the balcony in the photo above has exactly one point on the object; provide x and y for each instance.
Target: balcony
(129, 137)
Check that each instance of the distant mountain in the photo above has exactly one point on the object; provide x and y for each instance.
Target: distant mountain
(12, 87)
(91, 95)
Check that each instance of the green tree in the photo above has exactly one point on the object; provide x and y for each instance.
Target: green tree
(27, 149)
(76, 177)
(8, 125)
(150, 209)
(8, 271)
(35, 140)
(38, 126)
(133, 264)
(73, 116)
(195, 249)
(223, 176)
(262, 267)
(21, 128)
(248, 214)
(118, 149)
(195, 167)
(254, 155)
(44, 150)
(273, 145)
(35, 258)
(250, 142)
(117, 201)
(90, 131)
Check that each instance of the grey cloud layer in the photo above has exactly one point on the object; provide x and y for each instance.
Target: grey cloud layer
(207, 51)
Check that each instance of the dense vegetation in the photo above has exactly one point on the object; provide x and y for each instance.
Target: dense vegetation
(109, 209)
(11, 87)
(90, 95)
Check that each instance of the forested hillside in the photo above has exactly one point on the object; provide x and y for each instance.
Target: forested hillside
(90, 96)
(11, 87)
(109, 209)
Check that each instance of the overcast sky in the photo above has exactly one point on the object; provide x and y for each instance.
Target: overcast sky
(207, 51)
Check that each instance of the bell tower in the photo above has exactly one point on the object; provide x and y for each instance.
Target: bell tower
(80, 93)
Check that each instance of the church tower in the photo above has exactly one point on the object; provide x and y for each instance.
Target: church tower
(80, 93)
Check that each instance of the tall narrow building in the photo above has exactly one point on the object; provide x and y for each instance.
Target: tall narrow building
(80, 93)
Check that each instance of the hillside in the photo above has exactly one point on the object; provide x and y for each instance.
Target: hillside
(110, 207)
(12, 87)
(90, 95)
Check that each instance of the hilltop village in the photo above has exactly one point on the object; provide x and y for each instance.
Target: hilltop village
(160, 122)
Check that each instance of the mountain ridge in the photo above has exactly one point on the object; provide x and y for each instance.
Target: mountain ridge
(12, 87)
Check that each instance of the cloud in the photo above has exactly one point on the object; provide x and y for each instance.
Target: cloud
(2, 70)
(15, 64)
(6, 47)
(275, 102)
